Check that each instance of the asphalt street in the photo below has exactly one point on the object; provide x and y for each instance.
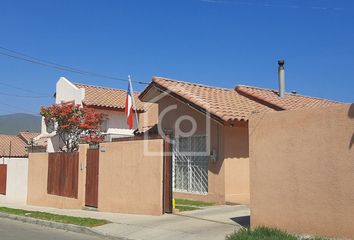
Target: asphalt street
(15, 230)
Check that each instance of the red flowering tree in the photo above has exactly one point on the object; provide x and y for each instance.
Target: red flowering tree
(73, 124)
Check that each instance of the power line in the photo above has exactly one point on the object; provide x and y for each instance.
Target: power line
(23, 96)
(18, 88)
(34, 60)
(16, 107)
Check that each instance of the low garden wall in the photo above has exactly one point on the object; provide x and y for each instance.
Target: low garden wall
(38, 183)
(129, 180)
(16, 180)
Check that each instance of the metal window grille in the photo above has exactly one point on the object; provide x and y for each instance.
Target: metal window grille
(190, 168)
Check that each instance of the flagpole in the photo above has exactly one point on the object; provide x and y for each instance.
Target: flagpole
(133, 101)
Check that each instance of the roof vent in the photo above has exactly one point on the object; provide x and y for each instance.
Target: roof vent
(281, 78)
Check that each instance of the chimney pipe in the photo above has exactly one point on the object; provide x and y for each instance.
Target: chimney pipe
(281, 78)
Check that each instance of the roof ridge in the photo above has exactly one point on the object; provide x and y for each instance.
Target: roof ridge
(318, 98)
(102, 87)
(195, 84)
(288, 93)
(204, 103)
(260, 88)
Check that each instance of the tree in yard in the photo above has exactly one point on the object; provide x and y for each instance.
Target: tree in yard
(73, 124)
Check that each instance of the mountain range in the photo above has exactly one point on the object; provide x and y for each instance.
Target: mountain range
(19, 122)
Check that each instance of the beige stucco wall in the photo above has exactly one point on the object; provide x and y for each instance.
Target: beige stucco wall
(168, 119)
(228, 177)
(236, 154)
(150, 116)
(37, 183)
(302, 170)
(129, 181)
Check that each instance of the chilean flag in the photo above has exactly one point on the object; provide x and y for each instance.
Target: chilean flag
(129, 106)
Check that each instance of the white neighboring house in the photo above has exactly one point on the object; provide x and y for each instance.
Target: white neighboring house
(109, 101)
(14, 154)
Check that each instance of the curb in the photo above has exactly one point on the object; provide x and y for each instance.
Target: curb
(57, 225)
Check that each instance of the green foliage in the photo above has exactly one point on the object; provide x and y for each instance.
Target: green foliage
(193, 203)
(265, 233)
(73, 124)
(183, 208)
(87, 222)
(189, 205)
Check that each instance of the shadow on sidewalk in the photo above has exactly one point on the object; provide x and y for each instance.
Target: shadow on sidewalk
(244, 221)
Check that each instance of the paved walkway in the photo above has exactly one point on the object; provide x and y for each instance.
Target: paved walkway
(237, 215)
(212, 223)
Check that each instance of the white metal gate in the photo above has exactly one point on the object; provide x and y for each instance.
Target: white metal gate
(190, 165)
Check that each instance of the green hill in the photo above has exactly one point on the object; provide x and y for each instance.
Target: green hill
(14, 123)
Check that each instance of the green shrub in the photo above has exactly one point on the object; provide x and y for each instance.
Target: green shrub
(265, 233)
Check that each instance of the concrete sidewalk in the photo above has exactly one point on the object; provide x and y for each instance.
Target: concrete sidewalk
(212, 223)
(237, 214)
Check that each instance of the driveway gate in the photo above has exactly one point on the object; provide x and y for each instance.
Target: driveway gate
(190, 165)
(92, 168)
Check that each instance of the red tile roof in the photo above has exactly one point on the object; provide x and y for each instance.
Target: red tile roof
(12, 146)
(231, 104)
(288, 102)
(15, 146)
(107, 97)
(28, 136)
(224, 103)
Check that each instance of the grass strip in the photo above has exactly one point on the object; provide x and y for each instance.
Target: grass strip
(265, 233)
(183, 208)
(188, 202)
(86, 222)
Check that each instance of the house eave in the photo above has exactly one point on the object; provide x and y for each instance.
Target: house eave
(161, 89)
(26, 156)
(109, 108)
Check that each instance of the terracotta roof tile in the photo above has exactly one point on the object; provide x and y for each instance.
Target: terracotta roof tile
(107, 97)
(18, 146)
(288, 102)
(239, 103)
(28, 136)
(226, 104)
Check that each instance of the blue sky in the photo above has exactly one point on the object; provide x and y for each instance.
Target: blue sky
(221, 43)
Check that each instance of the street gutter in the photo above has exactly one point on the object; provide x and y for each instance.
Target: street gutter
(62, 226)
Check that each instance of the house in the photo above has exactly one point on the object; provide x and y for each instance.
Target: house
(14, 165)
(109, 101)
(209, 128)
